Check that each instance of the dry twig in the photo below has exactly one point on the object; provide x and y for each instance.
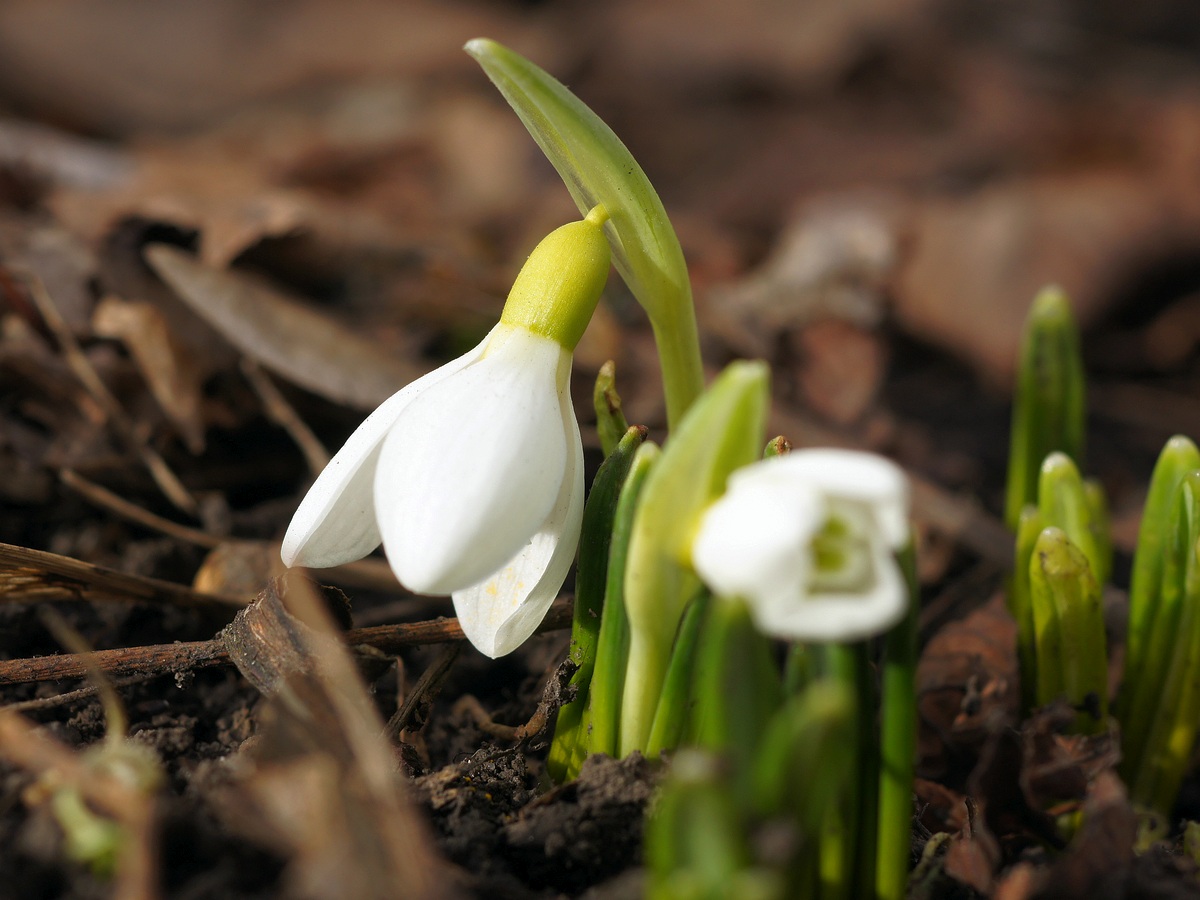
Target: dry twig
(162, 659)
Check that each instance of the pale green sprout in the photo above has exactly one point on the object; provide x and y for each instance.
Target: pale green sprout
(603, 716)
(1068, 621)
(599, 170)
(610, 419)
(1179, 456)
(1066, 502)
(696, 843)
(1160, 708)
(1048, 405)
(569, 745)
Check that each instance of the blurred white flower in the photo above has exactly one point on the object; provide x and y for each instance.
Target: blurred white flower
(472, 476)
(809, 540)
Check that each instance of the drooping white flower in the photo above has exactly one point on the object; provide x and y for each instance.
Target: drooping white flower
(809, 540)
(472, 476)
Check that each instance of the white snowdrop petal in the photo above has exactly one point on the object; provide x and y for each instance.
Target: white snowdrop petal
(838, 617)
(856, 475)
(335, 522)
(500, 613)
(474, 465)
(756, 537)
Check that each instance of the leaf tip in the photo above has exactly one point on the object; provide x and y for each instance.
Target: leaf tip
(480, 47)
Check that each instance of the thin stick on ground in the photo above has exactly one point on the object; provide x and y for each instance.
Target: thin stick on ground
(27, 574)
(162, 659)
(424, 691)
(280, 412)
(374, 574)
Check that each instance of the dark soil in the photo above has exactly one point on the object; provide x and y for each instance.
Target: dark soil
(943, 160)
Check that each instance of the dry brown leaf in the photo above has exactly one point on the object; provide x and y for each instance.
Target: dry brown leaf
(290, 339)
(1101, 851)
(776, 43)
(238, 567)
(59, 259)
(978, 260)
(967, 684)
(170, 374)
(210, 59)
(831, 261)
(841, 369)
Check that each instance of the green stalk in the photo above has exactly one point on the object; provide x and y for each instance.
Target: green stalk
(695, 837)
(801, 771)
(898, 744)
(846, 858)
(600, 721)
(737, 689)
(569, 745)
(678, 696)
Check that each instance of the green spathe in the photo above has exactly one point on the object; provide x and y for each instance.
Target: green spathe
(559, 286)
(598, 169)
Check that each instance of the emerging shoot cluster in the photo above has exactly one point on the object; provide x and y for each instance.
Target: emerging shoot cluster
(1064, 559)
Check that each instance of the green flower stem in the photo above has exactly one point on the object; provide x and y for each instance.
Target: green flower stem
(799, 669)
(1048, 405)
(601, 721)
(599, 170)
(678, 341)
(695, 839)
(847, 858)
(801, 769)
(568, 747)
(898, 745)
(1178, 457)
(737, 689)
(722, 432)
(674, 713)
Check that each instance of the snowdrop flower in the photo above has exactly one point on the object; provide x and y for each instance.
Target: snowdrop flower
(472, 476)
(808, 539)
